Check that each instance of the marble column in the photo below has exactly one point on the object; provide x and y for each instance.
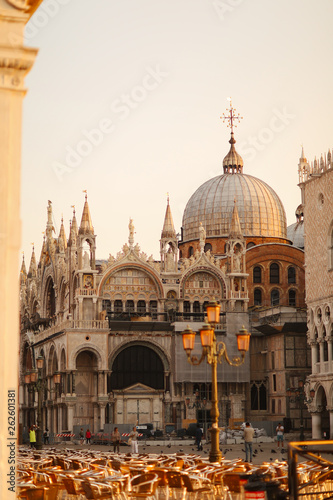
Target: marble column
(16, 60)
(316, 425)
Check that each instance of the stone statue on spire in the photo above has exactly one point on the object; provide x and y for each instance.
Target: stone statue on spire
(202, 238)
(131, 233)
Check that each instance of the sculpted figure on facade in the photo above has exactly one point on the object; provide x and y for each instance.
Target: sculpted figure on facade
(202, 233)
(61, 245)
(111, 259)
(86, 261)
(151, 260)
(125, 249)
(131, 232)
(170, 263)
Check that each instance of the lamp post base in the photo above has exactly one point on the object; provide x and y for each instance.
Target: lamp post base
(215, 454)
(39, 443)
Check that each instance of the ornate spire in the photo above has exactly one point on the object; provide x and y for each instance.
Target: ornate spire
(235, 227)
(62, 242)
(23, 273)
(233, 162)
(33, 266)
(86, 226)
(168, 230)
(74, 227)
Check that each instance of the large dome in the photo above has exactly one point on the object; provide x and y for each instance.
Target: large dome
(260, 210)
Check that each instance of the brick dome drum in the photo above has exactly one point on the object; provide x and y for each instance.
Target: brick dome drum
(261, 212)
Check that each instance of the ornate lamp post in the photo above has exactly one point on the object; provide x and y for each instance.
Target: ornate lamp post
(214, 352)
(36, 383)
(299, 396)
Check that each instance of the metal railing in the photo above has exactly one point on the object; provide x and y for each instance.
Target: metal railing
(318, 479)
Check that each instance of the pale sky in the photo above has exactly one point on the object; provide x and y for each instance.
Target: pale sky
(154, 77)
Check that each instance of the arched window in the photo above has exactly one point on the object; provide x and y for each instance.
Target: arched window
(196, 306)
(257, 297)
(250, 244)
(190, 251)
(258, 397)
(275, 297)
(274, 273)
(118, 306)
(208, 246)
(187, 309)
(263, 397)
(141, 308)
(317, 346)
(153, 308)
(50, 305)
(254, 397)
(130, 306)
(292, 298)
(257, 274)
(291, 275)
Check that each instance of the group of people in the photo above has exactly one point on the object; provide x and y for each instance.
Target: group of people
(32, 436)
(88, 436)
(248, 435)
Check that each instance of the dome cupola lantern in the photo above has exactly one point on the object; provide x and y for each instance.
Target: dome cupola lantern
(233, 162)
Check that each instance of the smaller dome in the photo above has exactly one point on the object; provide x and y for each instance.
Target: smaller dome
(295, 233)
(232, 162)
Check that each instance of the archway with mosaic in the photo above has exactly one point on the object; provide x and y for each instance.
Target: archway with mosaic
(198, 288)
(130, 291)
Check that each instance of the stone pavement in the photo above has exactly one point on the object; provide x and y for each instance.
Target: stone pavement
(263, 451)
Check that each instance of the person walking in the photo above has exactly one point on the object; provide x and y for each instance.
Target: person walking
(248, 438)
(198, 437)
(32, 437)
(81, 436)
(134, 440)
(280, 435)
(115, 436)
(46, 436)
(88, 436)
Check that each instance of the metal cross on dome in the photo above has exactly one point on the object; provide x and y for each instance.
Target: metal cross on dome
(231, 116)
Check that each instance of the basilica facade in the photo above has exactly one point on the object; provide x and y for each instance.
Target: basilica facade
(113, 327)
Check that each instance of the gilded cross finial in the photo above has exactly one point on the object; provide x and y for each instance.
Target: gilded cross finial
(231, 117)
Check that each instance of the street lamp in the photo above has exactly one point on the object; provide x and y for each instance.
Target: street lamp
(214, 352)
(35, 382)
(299, 396)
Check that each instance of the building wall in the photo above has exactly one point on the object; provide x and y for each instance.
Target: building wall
(317, 191)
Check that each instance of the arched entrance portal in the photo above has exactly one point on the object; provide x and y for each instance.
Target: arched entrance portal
(86, 388)
(320, 417)
(137, 382)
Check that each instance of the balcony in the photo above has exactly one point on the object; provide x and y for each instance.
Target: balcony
(85, 292)
(71, 324)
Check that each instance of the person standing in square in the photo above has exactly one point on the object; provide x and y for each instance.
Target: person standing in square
(248, 438)
(280, 434)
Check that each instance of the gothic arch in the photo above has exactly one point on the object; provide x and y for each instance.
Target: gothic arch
(204, 269)
(155, 347)
(102, 362)
(135, 266)
(49, 305)
(63, 359)
(52, 362)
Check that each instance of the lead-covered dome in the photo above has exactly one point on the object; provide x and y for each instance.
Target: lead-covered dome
(260, 210)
